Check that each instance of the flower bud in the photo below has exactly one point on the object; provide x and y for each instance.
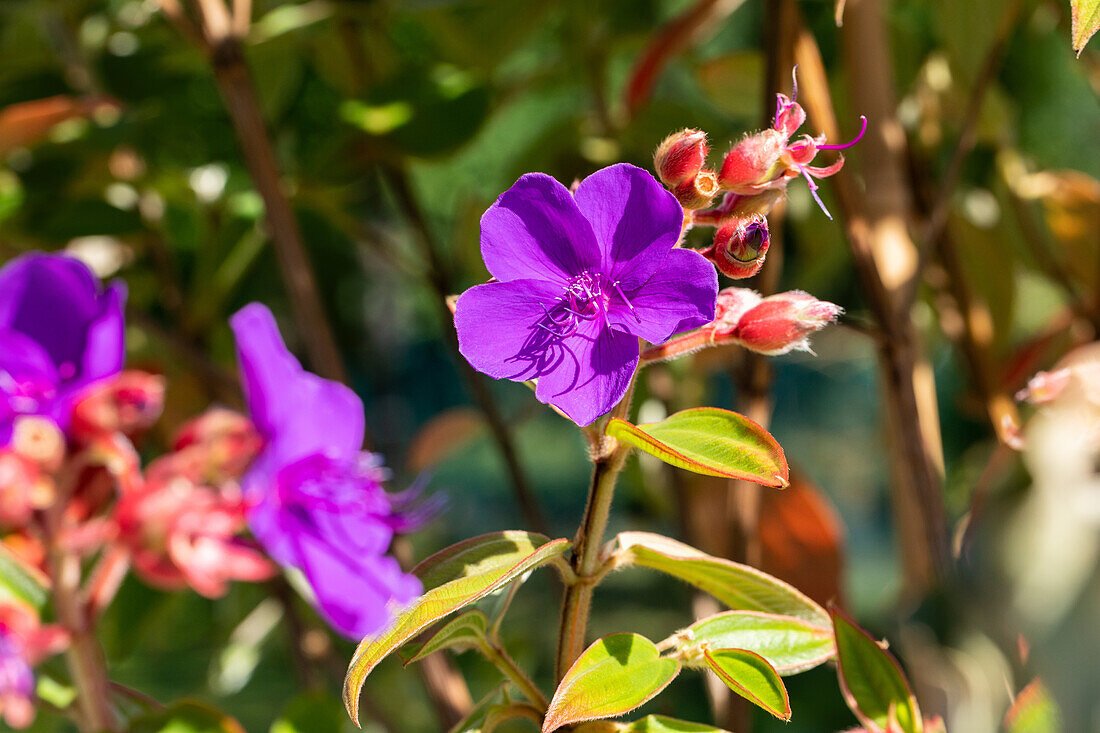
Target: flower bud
(733, 303)
(754, 162)
(680, 157)
(1045, 387)
(783, 323)
(224, 442)
(127, 404)
(789, 115)
(23, 489)
(740, 246)
(698, 192)
(39, 440)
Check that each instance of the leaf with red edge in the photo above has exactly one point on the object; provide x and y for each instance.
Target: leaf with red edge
(750, 676)
(1086, 21)
(1033, 711)
(710, 441)
(871, 680)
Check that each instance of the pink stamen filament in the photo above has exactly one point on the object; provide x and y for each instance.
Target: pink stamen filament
(626, 300)
(858, 137)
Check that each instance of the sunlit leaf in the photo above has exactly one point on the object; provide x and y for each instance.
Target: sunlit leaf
(790, 645)
(751, 677)
(612, 677)
(21, 582)
(738, 586)
(460, 634)
(1034, 711)
(710, 441)
(871, 680)
(454, 577)
(1086, 21)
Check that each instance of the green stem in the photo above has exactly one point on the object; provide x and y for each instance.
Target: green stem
(496, 654)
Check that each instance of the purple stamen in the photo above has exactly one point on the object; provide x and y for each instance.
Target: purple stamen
(858, 137)
(626, 300)
(813, 191)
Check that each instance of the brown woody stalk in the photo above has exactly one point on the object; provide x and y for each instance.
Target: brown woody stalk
(887, 262)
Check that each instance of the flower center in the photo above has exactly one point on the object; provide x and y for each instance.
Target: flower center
(25, 395)
(585, 298)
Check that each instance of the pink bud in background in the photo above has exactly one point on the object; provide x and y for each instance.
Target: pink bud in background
(740, 246)
(23, 488)
(783, 323)
(1045, 387)
(680, 157)
(39, 440)
(224, 441)
(24, 642)
(127, 403)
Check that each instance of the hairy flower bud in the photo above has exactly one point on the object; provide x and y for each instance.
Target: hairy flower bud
(754, 163)
(127, 404)
(740, 246)
(733, 304)
(784, 322)
(680, 157)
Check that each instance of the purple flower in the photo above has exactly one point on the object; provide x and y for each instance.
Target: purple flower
(59, 332)
(580, 278)
(317, 502)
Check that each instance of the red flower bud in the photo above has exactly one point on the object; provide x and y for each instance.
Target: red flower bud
(733, 303)
(221, 442)
(754, 163)
(740, 246)
(789, 115)
(39, 440)
(23, 488)
(127, 404)
(783, 323)
(680, 157)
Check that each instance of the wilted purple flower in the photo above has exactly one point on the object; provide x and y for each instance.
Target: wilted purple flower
(59, 332)
(581, 278)
(317, 502)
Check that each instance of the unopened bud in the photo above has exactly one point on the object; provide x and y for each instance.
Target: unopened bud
(789, 115)
(784, 322)
(38, 439)
(127, 404)
(680, 157)
(754, 162)
(222, 440)
(23, 489)
(740, 246)
(733, 303)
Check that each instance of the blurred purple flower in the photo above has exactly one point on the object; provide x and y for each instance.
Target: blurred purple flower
(317, 502)
(581, 278)
(16, 682)
(60, 331)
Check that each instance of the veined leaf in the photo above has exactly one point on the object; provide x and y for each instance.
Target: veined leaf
(738, 586)
(612, 677)
(750, 676)
(20, 582)
(872, 681)
(460, 633)
(456, 577)
(649, 724)
(1086, 21)
(790, 645)
(710, 441)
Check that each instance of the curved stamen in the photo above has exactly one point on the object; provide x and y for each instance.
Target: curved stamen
(813, 191)
(858, 137)
(626, 300)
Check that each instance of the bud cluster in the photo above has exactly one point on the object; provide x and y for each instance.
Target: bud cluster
(752, 176)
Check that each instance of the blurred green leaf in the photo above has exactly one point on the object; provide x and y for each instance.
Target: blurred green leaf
(738, 586)
(710, 441)
(750, 676)
(186, 716)
(790, 645)
(455, 577)
(612, 677)
(871, 679)
(20, 582)
(314, 712)
(1034, 711)
(473, 722)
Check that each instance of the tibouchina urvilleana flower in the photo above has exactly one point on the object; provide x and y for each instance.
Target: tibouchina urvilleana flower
(579, 279)
(317, 502)
(60, 331)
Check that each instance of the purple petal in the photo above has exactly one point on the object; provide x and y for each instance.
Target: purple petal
(535, 231)
(498, 332)
(354, 596)
(297, 412)
(56, 300)
(28, 380)
(592, 372)
(681, 296)
(636, 221)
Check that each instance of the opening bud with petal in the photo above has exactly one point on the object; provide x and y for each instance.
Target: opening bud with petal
(783, 323)
(740, 246)
(679, 162)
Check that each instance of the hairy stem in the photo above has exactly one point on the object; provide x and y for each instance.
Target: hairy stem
(496, 654)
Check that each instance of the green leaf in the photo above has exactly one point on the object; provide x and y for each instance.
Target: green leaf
(612, 677)
(476, 719)
(871, 679)
(1086, 21)
(738, 586)
(500, 714)
(20, 582)
(1034, 711)
(186, 716)
(712, 442)
(649, 724)
(750, 676)
(791, 645)
(461, 633)
(455, 577)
